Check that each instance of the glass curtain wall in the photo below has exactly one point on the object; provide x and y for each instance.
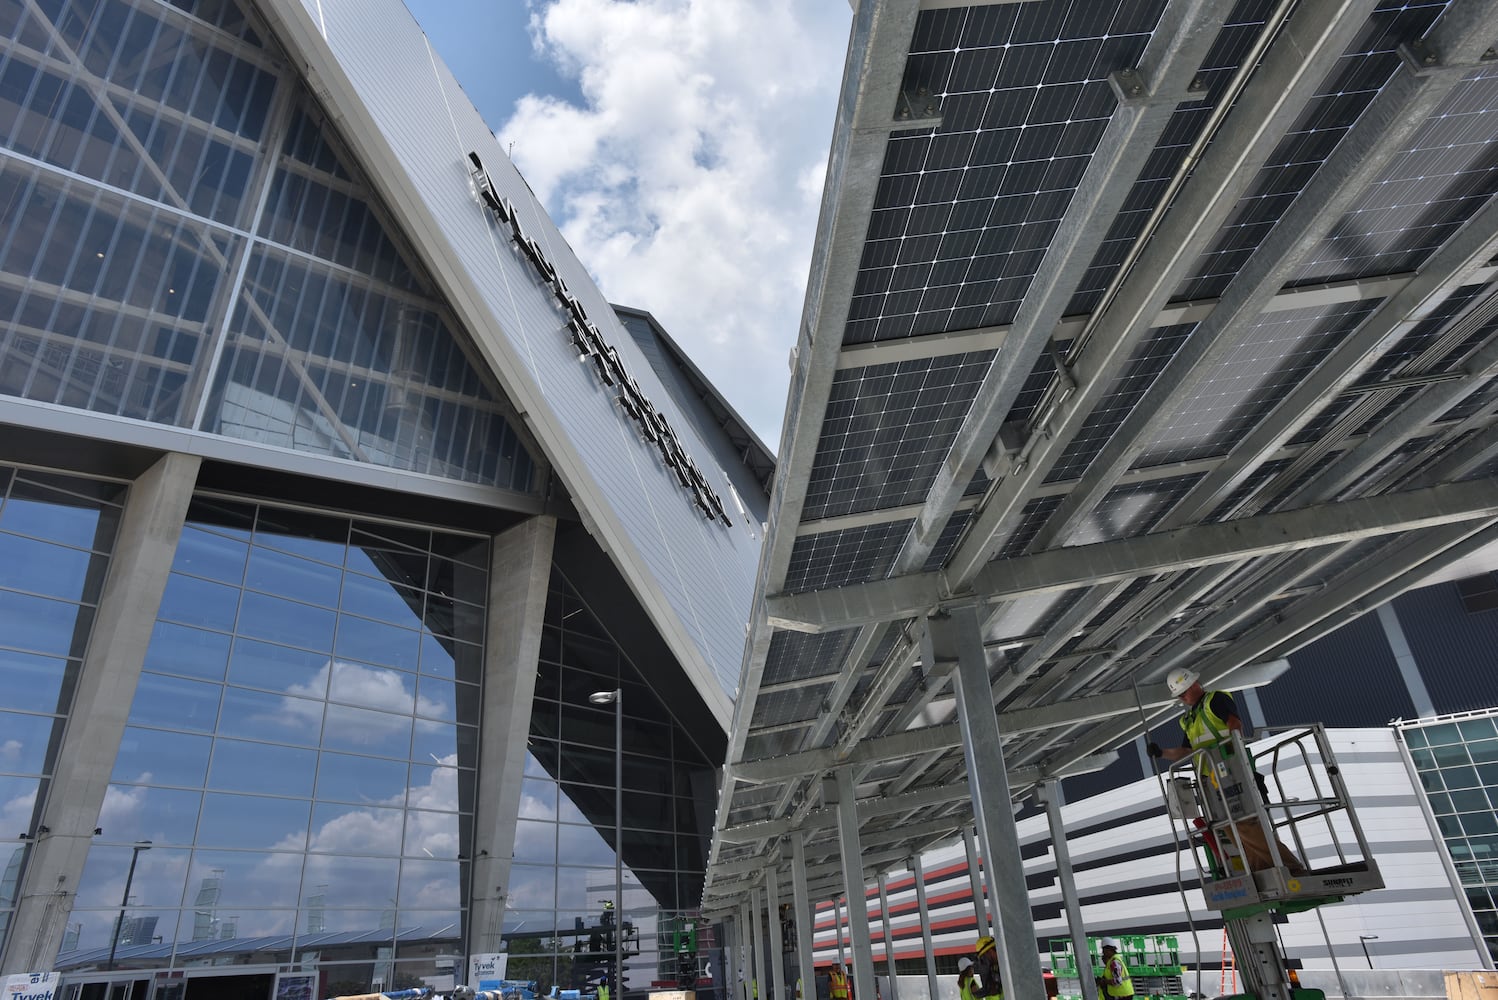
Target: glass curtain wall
(56, 536)
(184, 242)
(300, 753)
(563, 876)
(1456, 758)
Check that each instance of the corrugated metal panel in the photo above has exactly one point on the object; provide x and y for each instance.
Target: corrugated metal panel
(1348, 678)
(1455, 650)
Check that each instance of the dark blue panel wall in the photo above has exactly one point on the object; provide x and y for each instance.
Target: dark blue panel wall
(1348, 678)
(1456, 650)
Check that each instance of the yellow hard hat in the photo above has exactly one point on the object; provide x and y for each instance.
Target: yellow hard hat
(985, 943)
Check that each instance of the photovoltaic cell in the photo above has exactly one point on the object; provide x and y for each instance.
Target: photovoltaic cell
(798, 655)
(1227, 52)
(1446, 174)
(838, 558)
(1266, 360)
(1131, 510)
(947, 541)
(1349, 88)
(886, 431)
(1149, 359)
(964, 214)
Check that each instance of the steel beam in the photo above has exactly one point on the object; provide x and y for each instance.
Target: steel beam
(1310, 42)
(889, 937)
(776, 949)
(1382, 132)
(1183, 548)
(1051, 798)
(975, 881)
(923, 912)
(993, 808)
(853, 884)
(1165, 71)
(806, 972)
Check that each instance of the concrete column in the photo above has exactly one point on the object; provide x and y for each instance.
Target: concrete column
(805, 917)
(889, 937)
(777, 947)
(975, 884)
(843, 791)
(918, 870)
(757, 935)
(959, 636)
(1069, 900)
(519, 571)
(131, 598)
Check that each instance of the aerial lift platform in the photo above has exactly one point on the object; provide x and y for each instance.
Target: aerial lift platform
(1253, 842)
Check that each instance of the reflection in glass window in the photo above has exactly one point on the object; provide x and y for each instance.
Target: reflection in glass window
(305, 789)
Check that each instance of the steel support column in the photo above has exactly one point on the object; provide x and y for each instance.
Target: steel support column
(806, 974)
(858, 901)
(837, 927)
(757, 935)
(975, 883)
(889, 936)
(745, 952)
(1051, 791)
(918, 871)
(959, 633)
(776, 949)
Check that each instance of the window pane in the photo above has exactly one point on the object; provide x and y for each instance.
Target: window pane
(293, 577)
(162, 758)
(265, 617)
(261, 767)
(346, 778)
(43, 568)
(271, 717)
(355, 830)
(178, 649)
(375, 642)
(198, 602)
(363, 731)
(212, 555)
(279, 668)
(175, 703)
(35, 683)
(253, 821)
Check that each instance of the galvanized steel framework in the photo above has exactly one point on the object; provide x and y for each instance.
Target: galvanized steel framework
(1218, 382)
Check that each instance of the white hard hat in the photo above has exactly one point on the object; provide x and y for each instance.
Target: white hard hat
(1179, 680)
(964, 963)
(1113, 942)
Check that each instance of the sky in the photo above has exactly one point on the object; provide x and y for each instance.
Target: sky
(681, 147)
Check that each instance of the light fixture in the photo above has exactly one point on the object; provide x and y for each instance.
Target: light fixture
(616, 698)
(603, 697)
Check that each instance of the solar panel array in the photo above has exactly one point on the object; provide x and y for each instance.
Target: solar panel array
(1359, 362)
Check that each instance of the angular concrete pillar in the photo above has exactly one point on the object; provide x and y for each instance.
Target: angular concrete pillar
(959, 636)
(519, 573)
(149, 530)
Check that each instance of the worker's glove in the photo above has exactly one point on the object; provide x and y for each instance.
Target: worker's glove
(1154, 750)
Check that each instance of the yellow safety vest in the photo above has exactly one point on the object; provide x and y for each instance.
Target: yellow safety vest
(965, 988)
(1125, 987)
(603, 992)
(837, 985)
(1203, 727)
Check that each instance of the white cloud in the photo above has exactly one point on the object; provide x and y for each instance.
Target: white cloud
(689, 181)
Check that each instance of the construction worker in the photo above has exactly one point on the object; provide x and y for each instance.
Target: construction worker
(965, 979)
(837, 983)
(1209, 720)
(603, 989)
(990, 981)
(1114, 983)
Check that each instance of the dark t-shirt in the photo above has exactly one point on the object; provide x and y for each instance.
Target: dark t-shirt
(1222, 705)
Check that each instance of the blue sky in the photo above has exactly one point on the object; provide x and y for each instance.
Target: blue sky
(680, 145)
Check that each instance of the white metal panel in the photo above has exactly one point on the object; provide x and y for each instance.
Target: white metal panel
(413, 127)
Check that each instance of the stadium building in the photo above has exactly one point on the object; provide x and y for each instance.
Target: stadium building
(331, 488)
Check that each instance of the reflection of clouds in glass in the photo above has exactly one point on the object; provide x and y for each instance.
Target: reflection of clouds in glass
(16, 813)
(375, 688)
(11, 752)
(122, 805)
(441, 789)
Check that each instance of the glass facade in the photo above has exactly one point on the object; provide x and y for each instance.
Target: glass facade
(56, 536)
(301, 751)
(563, 873)
(183, 242)
(1456, 758)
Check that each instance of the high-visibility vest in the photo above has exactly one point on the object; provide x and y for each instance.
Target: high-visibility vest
(1203, 727)
(837, 985)
(603, 991)
(965, 988)
(1115, 969)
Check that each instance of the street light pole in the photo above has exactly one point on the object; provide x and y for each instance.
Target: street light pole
(119, 922)
(1363, 940)
(616, 698)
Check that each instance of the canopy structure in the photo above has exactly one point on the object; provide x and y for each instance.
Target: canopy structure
(1139, 335)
